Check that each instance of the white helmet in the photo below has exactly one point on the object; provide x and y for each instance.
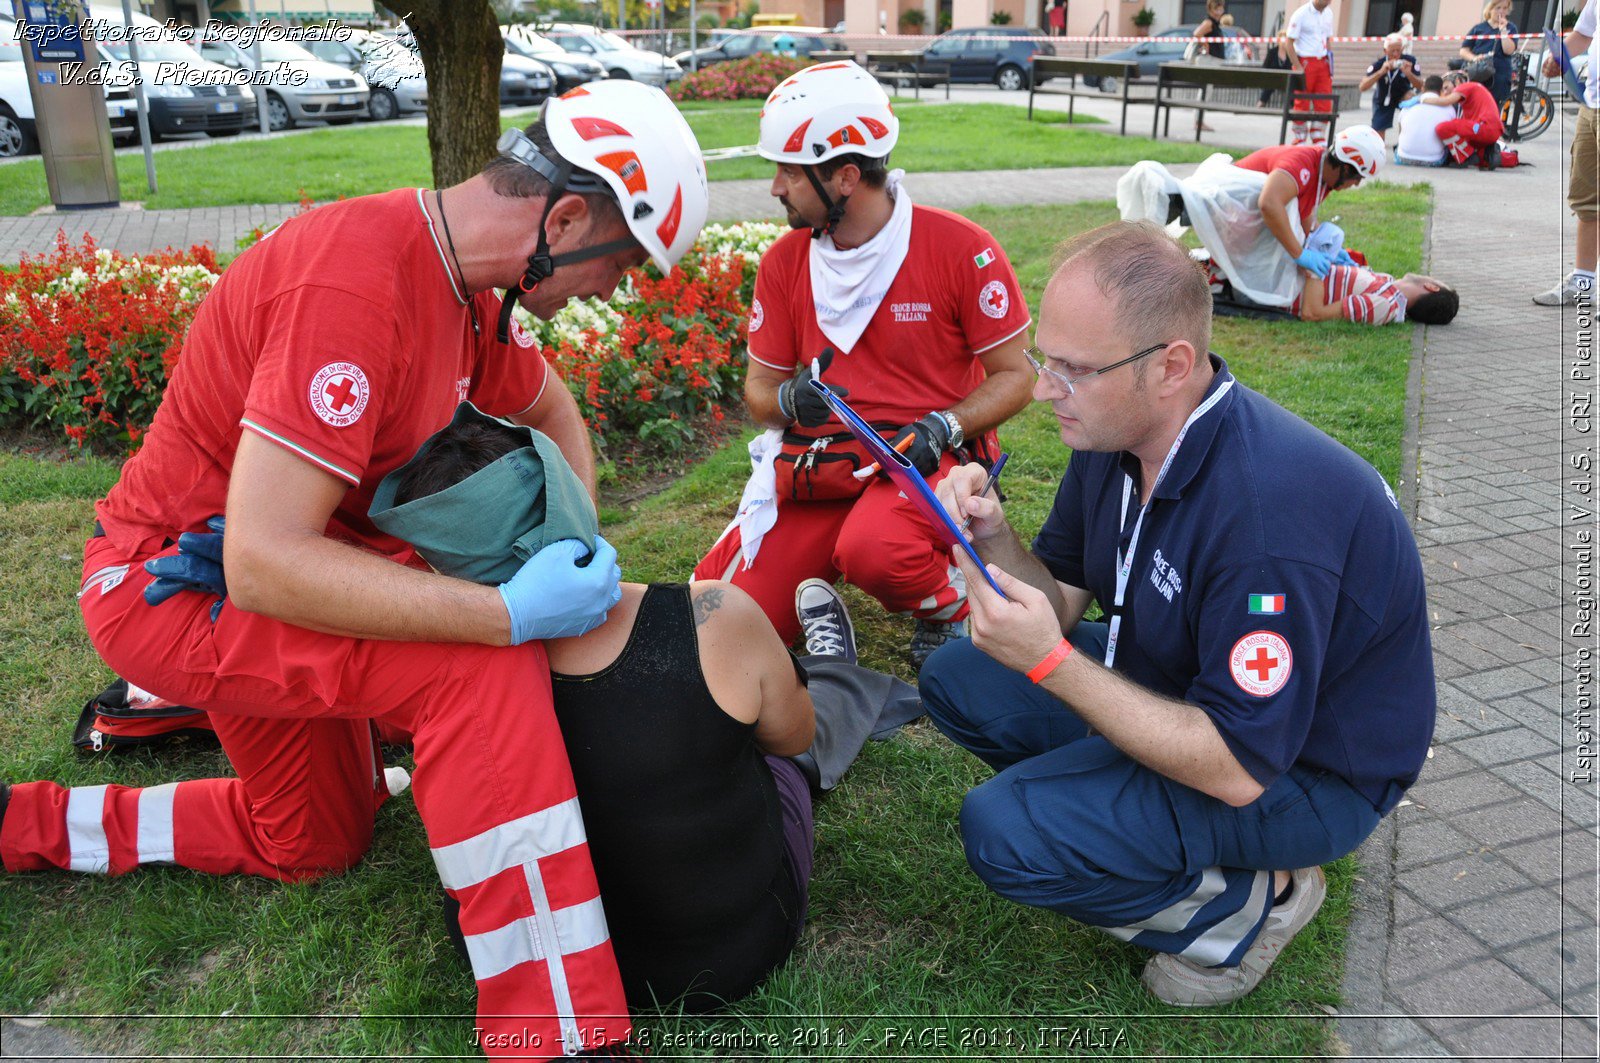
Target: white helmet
(827, 110)
(1361, 147)
(633, 138)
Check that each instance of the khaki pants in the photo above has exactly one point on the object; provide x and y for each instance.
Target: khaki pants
(1583, 188)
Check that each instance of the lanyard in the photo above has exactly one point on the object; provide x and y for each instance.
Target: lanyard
(1125, 563)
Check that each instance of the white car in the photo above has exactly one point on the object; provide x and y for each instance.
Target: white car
(303, 87)
(393, 72)
(18, 133)
(615, 53)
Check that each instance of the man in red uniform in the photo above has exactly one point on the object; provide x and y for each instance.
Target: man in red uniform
(1479, 126)
(913, 312)
(1303, 176)
(1306, 37)
(317, 365)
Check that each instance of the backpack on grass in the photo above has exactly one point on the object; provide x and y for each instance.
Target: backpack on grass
(123, 716)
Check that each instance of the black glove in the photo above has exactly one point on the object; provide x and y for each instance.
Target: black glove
(800, 402)
(197, 566)
(932, 437)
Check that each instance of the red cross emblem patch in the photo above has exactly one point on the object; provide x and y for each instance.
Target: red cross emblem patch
(994, 300)
(339, 393)
(519, 335)
(1260, 663)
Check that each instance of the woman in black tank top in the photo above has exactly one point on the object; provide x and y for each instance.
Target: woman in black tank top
(683, 818)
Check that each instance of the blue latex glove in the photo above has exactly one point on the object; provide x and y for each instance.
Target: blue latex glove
(1343, 259)
(550, 597)
(197, 566)
(1315, 262)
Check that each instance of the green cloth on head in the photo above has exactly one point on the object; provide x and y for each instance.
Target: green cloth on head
(484, 527)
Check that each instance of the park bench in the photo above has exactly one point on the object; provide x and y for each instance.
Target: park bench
(1056, 66)
(1176, 76)
(909, 68)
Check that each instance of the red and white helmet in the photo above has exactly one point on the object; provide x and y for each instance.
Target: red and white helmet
(1361, 147)
(827, 110)
(632, 137)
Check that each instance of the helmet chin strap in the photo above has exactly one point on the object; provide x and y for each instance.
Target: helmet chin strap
(541, 264)
(835, 207)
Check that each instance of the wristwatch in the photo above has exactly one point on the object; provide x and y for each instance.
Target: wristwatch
(957, 434)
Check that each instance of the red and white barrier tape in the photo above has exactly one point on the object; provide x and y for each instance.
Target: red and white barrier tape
(855, 40)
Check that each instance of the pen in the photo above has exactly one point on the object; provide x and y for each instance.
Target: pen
(994, 474)
(899, 448)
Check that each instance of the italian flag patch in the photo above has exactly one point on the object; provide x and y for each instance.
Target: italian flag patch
(983, 258)
(1266, 604)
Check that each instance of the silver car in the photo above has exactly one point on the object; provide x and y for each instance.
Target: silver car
(619, 57)
(304, 89)
(392, 72)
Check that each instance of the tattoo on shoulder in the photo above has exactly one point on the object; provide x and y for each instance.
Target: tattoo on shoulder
(706, 603)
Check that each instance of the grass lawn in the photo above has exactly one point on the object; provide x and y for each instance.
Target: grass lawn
(375, 157)
(902, 937)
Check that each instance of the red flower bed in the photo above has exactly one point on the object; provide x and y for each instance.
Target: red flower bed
(676, 354)
(741, 79)
(87, 337)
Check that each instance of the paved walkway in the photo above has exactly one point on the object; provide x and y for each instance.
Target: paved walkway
(1474, 930)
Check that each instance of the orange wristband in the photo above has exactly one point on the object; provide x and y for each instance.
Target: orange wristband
(1062, 651)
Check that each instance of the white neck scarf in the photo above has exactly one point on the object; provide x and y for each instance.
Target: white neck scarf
(847, 286)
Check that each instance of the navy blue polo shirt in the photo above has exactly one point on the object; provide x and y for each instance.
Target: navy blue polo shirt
(1276, 586)
(1390, 89)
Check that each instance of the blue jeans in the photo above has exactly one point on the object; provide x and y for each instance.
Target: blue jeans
(1071, 824)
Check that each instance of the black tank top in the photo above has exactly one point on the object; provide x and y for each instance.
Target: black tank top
(682, 817)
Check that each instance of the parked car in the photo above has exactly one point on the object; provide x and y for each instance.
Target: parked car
(526, 82)
(1167, 46)
(174, 108)
(569, 68)
(327, 93)
(618, 56)
(393, 72)
(19, 134)
(999, 55)
(798, 41)
(169, 69)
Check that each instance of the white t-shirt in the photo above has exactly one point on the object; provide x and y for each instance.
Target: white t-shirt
(1419, 139)
(1586, 26)
(1309, 29)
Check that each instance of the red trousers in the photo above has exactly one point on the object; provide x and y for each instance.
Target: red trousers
(1318, 79)
(294, 710)
(1459, 139)
(878, 541)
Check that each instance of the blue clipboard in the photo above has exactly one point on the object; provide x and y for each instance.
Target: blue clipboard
(1557, 47)
(906, 475)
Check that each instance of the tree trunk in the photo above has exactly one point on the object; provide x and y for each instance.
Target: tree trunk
(461, 49)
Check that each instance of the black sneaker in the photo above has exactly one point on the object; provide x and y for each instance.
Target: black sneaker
(930, 635)
(824, 621)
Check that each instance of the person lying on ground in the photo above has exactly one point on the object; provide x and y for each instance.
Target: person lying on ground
(1367, 297)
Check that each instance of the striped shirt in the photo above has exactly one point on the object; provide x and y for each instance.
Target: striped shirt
(1363, 296)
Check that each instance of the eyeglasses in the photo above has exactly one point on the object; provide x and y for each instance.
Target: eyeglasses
(1037, 358)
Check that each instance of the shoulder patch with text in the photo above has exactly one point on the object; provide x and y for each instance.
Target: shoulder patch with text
(994, 300)
(1260, 663)
(339, 393)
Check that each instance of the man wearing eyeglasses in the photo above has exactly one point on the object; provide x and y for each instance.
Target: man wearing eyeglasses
(1259, 692)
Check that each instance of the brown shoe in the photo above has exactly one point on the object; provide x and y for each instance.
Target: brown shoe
(1186, 984)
